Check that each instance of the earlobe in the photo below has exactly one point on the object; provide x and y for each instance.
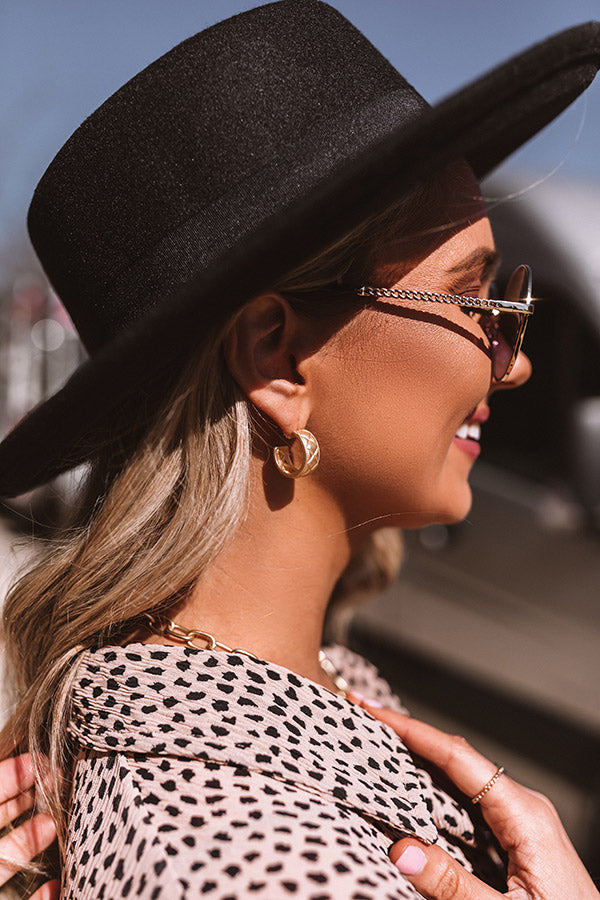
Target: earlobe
(261, 351)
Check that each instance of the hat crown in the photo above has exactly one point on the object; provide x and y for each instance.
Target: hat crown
(166, 174)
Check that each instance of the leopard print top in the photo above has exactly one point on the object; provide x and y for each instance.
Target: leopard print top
(201, 773)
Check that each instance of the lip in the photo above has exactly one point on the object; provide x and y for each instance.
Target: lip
(468, 446)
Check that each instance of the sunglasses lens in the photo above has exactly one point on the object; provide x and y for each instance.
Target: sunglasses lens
(504, 329)
(503, 332)
(517, 289)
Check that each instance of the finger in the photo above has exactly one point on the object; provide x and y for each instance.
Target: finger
(468, 769)
(360, 700)
(436, 875)
(48, 891)
(12, 809)
(25, 842)
(16, 775)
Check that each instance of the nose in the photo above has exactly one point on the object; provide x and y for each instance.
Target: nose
(520, 373)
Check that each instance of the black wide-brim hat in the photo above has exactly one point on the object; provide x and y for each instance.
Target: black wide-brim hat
(225, 164)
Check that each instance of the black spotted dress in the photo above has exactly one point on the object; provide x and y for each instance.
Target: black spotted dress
(212, 774)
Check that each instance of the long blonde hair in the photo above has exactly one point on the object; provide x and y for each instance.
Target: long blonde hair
(153, 515)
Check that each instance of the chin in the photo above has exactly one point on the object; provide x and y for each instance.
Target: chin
(456, 507)
(457, 514)
(453, 498)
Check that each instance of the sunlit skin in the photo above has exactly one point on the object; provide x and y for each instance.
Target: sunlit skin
(385, 396)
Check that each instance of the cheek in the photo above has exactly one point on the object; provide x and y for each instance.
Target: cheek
(405, 372)
(391, 408)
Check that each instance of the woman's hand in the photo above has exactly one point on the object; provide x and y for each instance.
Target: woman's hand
(17, 795)
(543, 864)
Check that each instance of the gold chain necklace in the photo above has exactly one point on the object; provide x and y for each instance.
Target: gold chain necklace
(172, 629)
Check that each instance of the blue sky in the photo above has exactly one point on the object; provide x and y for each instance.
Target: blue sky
(59, 59)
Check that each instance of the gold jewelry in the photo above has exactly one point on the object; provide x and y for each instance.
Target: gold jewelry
(171, 629)
(179, 633)
(310, 452)
(488, 785)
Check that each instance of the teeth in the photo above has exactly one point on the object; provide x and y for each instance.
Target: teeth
(473, 432)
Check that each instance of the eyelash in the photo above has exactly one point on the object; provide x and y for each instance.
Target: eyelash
(475, 291)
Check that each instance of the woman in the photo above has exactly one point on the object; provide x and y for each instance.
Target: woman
(279, 260)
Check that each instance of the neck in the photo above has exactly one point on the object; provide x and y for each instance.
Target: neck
(268, 590)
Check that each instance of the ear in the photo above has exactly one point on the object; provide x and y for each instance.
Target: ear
(261, 350)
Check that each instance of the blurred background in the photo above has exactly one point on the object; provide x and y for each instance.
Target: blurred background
(493, 628)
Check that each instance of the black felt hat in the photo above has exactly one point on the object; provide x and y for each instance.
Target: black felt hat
(227, 162)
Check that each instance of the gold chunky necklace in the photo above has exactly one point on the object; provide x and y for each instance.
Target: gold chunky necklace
(172, 629)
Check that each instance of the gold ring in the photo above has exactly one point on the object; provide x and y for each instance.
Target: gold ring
(488, 785)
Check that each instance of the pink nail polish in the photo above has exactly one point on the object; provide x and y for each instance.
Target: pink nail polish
(411, 861)
(374, 703)
(356, 695)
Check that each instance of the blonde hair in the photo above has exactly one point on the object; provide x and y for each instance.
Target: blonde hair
(154, 514)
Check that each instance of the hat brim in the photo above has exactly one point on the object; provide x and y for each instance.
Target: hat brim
(483, 122)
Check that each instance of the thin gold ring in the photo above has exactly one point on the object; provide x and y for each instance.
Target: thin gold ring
(488, 785)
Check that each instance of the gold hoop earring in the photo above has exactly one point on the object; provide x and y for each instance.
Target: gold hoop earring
(310, 455)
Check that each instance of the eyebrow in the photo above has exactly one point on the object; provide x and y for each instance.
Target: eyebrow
(483, 260)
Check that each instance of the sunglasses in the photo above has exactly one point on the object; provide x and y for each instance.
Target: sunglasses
(503, 321)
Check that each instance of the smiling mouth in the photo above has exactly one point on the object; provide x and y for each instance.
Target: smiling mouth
(469, 432)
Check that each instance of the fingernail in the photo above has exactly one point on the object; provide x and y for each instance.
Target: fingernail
(374, 703)
(411, 861)
(357, 695)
